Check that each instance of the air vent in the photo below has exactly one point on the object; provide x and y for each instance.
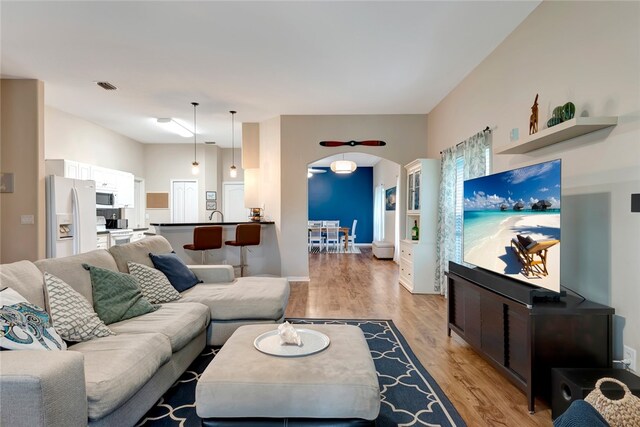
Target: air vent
(106, 85)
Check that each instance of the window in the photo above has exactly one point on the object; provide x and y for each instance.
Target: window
(460, 198)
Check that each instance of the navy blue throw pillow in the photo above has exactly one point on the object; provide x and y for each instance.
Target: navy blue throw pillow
(176, 271)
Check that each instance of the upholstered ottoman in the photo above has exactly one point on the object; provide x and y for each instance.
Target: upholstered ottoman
(337, 386)
(382, 250)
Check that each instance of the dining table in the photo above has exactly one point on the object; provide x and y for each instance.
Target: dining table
(343, 230)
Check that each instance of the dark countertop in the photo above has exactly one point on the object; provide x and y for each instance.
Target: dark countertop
(186, 224)
(103, 232)
(140, 229)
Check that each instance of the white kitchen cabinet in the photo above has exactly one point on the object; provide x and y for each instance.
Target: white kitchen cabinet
(126, 195)
(65, 168)
(84, 171)
(418, 257)
(103, 242)
(137, 235)
(106, 179)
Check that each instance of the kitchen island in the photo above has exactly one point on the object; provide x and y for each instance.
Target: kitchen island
(262, 259)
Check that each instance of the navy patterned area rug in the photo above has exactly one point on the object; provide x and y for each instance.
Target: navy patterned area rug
(409, 395)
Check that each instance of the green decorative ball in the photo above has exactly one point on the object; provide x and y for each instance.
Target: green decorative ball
(557, 112)
(568, 111)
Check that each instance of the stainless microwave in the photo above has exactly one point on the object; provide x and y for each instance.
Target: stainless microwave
(105, 200)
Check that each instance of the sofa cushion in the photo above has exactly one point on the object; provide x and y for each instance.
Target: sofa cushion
(24, 326)
(139, 251)
(73, 317)
(116, 367)
(25, 278)
(117, 296)
(247, 298)
(153, 283)
(176, 270)
(180, 323)
(70, 269)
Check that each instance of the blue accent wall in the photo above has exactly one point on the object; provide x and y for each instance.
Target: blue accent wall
(344, 197)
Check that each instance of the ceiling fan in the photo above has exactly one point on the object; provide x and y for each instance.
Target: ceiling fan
(369, 143)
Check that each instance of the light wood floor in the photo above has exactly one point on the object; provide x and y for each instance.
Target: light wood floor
(358, 286)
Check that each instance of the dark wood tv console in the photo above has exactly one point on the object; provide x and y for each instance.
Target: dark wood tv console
(522, 336)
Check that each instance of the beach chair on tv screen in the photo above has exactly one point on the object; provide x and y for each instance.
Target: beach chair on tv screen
(532, 255)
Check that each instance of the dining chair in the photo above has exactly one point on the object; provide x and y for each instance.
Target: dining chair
(333, 238)
(315, 236)
(314, 223)
(331, 223)
(352, 236)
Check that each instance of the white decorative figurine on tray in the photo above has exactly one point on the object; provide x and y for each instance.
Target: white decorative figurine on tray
(289, 335)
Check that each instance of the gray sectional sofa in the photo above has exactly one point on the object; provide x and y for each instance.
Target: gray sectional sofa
(113, 381)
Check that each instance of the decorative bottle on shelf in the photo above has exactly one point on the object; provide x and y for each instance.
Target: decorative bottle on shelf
(415, 231)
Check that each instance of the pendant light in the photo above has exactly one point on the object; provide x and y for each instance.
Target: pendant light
(343, 166)
(195, 166)
(233, 172)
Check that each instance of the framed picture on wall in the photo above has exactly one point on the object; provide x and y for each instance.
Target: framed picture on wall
(212, 195)
(212, 205)
(390, 199)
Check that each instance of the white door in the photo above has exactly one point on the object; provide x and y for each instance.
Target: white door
(233, 202)
(138, 216)
(184, 201)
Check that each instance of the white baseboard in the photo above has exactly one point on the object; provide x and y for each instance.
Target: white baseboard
(298, 279)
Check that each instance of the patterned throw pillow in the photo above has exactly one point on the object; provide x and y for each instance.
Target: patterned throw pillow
(73, 316)
(153, 283)
(117, 296)
(25, 326)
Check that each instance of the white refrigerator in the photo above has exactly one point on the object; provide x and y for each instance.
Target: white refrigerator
(71, 216)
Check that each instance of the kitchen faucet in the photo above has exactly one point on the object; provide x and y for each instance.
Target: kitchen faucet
(221, 216)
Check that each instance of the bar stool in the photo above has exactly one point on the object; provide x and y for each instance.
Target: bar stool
(246, 235)
(205, 238)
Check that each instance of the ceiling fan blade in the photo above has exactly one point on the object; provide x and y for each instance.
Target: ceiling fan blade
(369, 143)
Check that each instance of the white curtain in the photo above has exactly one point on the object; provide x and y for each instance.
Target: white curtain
(396, 240)
(475, 156)
(446, 232)
(473, 151)
(378, 213)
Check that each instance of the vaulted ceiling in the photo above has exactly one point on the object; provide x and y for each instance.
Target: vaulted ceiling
(262, 59)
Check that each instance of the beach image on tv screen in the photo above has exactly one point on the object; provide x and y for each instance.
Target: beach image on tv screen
(512, 223)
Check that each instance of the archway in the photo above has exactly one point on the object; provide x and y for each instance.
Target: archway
(356, 200)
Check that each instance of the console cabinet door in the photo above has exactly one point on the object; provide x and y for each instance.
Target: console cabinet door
(517, 345)
(492, 318)
(472, 319)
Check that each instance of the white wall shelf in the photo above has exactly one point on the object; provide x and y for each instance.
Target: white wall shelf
(566, 130)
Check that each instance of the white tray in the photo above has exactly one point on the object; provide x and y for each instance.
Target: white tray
(312, 342)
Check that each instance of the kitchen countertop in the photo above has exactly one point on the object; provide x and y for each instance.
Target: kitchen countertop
(103, 232)
(187, 224)
(140, 229)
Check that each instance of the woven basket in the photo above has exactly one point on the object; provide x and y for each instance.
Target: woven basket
(623, 412)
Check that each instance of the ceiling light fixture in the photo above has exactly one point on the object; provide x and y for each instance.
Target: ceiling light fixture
(343, 166)
(195, 166)
(173, 126)
(233, 172)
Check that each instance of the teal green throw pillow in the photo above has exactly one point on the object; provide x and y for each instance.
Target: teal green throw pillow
(117, 296)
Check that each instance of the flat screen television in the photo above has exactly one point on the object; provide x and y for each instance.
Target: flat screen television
(512, 223)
